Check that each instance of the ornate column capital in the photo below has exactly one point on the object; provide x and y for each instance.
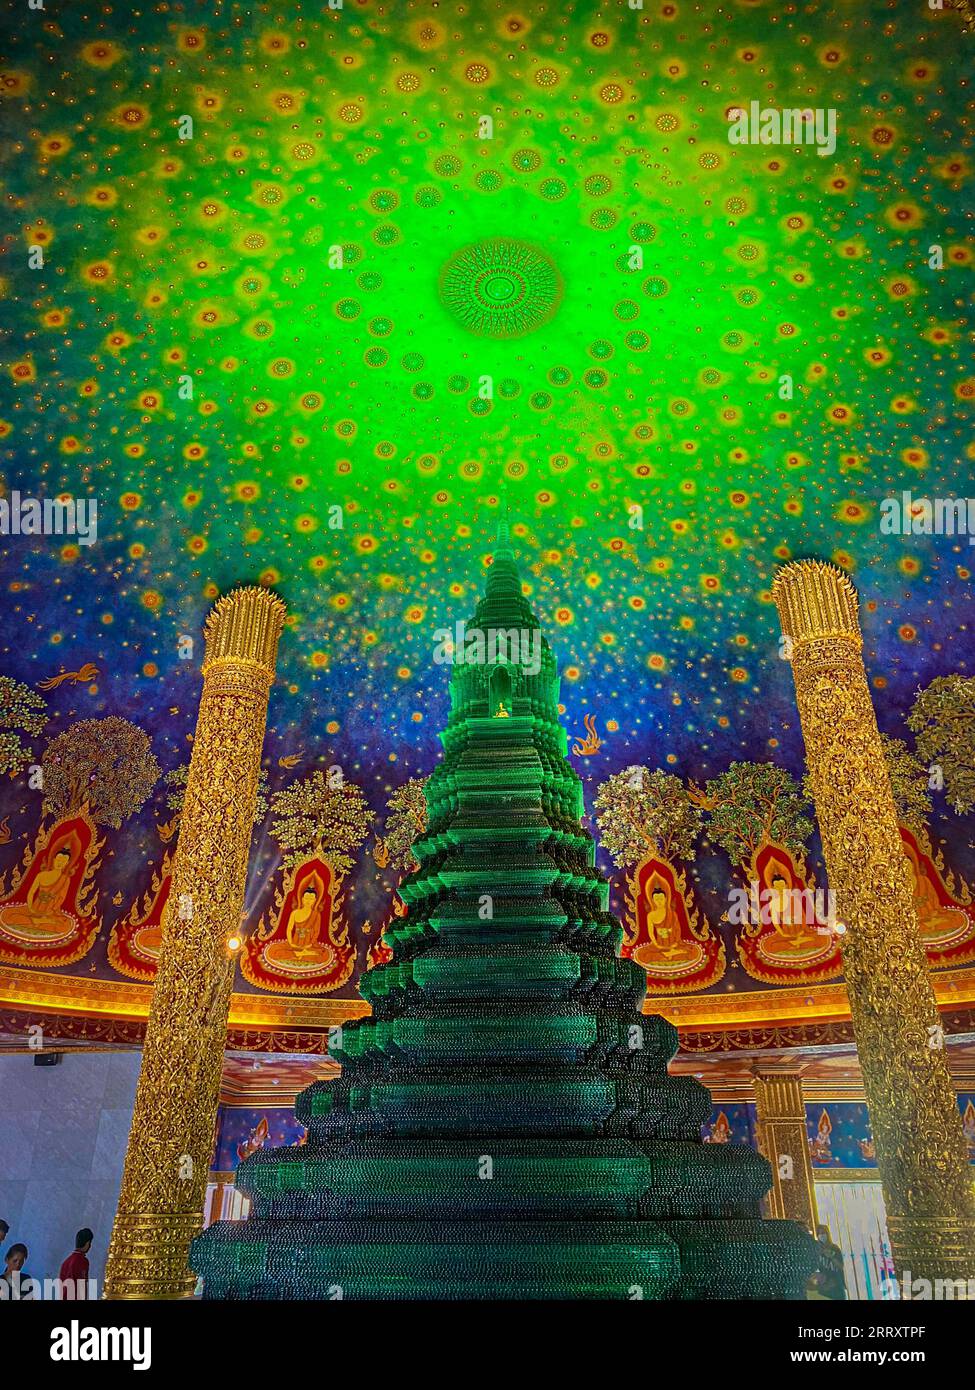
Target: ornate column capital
(244, 627)
(816, 601)
(819, 612)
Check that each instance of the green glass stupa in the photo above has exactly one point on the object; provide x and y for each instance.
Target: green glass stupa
(505, 1126)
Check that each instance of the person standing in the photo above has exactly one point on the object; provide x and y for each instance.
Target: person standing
(828, 1282)
(13, 1275)
(73, 1275)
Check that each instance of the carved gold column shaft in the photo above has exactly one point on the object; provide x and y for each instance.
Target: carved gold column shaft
(781, 1112)
(921, 1151)
(164, 1182)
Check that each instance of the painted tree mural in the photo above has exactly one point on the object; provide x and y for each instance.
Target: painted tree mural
(909, 779)
(321, 814)
(23, 714)
(640, 811)
(752, 804)
(942, 720)
(406, 820)
(104, 764)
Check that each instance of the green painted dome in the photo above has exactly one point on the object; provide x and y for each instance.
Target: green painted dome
(501, 288)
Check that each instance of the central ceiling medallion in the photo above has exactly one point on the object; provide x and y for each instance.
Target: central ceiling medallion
(501, 288)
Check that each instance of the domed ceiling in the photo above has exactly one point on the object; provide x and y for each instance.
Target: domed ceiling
(318, 286)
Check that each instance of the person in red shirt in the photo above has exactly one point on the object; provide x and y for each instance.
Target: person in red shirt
(74, 1270)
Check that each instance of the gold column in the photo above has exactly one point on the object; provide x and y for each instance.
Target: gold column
(170, 1144)
(921, 1151)
(782, 1137)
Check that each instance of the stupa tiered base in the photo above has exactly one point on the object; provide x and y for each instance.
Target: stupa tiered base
(505, 1126)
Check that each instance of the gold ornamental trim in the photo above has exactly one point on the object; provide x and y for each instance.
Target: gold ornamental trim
(24, 989)
(153, 1265)
(799, 1003)
(95, 998)
(830, 1175)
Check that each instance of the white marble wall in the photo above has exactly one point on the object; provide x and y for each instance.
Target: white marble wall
(63, 1132)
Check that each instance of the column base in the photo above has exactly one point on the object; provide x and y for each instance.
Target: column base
(934, 1249)
(148, 1256)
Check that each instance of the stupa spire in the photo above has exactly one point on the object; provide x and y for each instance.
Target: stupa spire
(503, 601)
(503, 541)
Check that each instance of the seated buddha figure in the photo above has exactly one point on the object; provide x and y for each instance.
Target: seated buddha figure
(666, 946)
(148, 939)
(41, 915)
(720, 1131)
(936, 920)
(305, 925)
(968, 1128)
(791, 934)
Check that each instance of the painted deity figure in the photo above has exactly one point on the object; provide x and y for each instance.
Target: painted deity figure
(789, 910)
(305, 923)
(937, 921)
(788, 935)
(666, 942)
(720, 1132)
(790, 925)
(664, 934)
(255, 1140)
(821, 1148)
(135, 942)
(49, 918)
(968, 1128)
(304, 945)
(41, 914)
